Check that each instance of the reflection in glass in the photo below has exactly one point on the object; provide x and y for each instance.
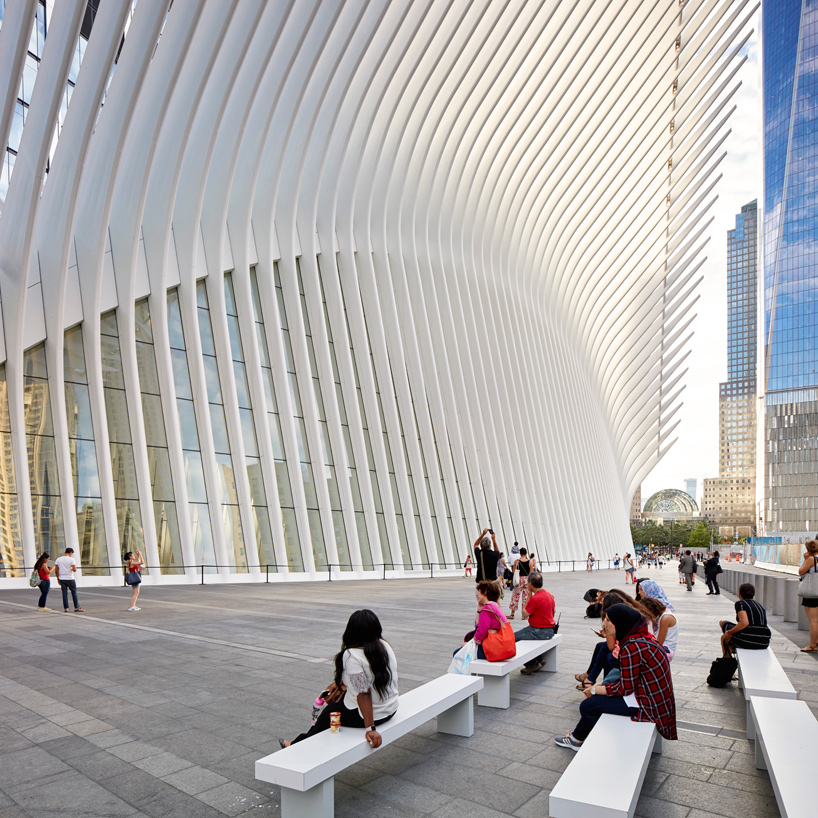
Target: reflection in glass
(12, 563)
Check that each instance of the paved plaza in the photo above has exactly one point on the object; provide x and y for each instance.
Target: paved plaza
(163, 712)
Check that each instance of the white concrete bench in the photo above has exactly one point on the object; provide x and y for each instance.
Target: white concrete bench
(605, 777)
(496, 691)
(786, 738)
(305, 770)
(761, 674)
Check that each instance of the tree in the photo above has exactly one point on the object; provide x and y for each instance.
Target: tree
(700, 537)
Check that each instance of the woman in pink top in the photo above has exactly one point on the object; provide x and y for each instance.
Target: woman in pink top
(489, 617)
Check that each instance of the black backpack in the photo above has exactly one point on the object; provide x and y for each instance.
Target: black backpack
(722, 671)
(594, 611)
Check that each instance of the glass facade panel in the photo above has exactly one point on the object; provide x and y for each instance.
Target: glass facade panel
(46, 505)
(790, 81)
(12, 563)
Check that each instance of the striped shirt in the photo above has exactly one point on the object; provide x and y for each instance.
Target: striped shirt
(756, 634)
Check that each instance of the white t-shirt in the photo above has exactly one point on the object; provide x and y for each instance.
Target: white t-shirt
(64, 570)
(358, 677)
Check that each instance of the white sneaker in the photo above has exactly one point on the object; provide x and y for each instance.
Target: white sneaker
(134, 608)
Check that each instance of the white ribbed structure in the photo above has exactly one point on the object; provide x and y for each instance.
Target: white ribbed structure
(481, 224)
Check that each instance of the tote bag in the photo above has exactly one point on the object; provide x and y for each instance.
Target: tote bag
(808, 589)
(501, 645)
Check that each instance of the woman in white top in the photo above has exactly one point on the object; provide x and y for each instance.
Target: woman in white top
(366, 681)
(664, 625)
(810, 605)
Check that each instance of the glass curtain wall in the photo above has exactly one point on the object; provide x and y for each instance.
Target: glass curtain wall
(326, 450)
(316, 534)
(231, 520)
(84, 471)
(202, 534)
(46, 505)
(258, 496)
(126, 494)
(164, 502)
(295, 560)
(12, 563)
(352, 471)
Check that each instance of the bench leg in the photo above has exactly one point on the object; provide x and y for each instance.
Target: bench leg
(495, 692)
(657, 745)
(761, 764)
(551, 662)
(751, 727)
(457, 720)
(318, 802)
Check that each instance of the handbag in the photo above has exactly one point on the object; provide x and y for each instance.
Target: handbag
(719, 569)
(808, 589)
(34, 580)
(721, 671)
(133, 578)
(557, 625)
(500, 645)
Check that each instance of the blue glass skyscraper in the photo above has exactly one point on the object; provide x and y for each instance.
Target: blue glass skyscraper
(790, 78)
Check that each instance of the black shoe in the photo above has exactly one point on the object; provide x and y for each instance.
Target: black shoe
(709, 593)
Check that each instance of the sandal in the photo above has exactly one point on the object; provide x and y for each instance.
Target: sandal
(511, 615)
(580, 677)
(585, 685)
(808, 649)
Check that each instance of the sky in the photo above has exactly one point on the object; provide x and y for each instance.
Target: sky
(695, 453)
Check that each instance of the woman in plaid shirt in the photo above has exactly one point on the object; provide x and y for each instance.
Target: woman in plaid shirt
(644, 690)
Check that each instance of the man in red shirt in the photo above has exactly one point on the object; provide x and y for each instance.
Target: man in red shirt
(540, 609)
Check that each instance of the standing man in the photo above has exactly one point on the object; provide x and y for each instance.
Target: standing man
(540, 609)
(486, 557)
(515, 552)
(66, 565)
(687, 565)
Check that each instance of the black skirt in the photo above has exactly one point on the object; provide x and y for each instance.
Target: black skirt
(809, 603)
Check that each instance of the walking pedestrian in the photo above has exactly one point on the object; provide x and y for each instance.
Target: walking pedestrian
(687, 567)
(630, 570)
(467, 566)
(712, 569)
(66, 567)
(133, 576)
(44, 573)
(590, 563)
(616, 561)
(522, 567)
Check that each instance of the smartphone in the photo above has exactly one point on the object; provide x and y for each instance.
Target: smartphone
(491, 531)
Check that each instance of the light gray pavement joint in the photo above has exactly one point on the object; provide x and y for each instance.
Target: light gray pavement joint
(163, 712)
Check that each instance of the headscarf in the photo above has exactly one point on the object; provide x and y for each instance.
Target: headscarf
(653, 589)
(628, 622)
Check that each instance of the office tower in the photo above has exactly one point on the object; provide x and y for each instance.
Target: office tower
(326, 287)
(636, 507)
(729, 499)
(690, 487)
(790, 267)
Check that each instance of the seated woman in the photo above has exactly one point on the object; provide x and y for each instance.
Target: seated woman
(644, 690)
(489, 615)
(751, 630)
(605, 657)
(663, 624)
(366, 681)
(650, 588)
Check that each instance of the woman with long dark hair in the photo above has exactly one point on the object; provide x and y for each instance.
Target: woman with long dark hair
(44, 572)
(365, 687)
(644, 690)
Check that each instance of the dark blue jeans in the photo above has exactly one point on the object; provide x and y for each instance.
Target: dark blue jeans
(601, 662)
(592, 709)
(530, 632)
(69, 585)
(45, 587)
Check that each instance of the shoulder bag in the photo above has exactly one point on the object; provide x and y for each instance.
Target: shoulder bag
(500, 645)
(808, 589)
(34, 580)
(133, 578)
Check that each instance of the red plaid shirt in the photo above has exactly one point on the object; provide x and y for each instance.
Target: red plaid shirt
(645, 671)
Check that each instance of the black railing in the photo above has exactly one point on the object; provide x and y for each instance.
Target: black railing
(204, 568)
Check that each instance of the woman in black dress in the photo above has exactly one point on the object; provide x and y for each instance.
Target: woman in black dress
(751, 630)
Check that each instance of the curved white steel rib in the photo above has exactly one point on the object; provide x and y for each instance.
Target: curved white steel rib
(486, 221)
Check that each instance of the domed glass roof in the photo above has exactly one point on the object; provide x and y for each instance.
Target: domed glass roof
(670, 501)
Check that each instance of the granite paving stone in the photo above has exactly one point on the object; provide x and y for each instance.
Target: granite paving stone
(172, 726)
